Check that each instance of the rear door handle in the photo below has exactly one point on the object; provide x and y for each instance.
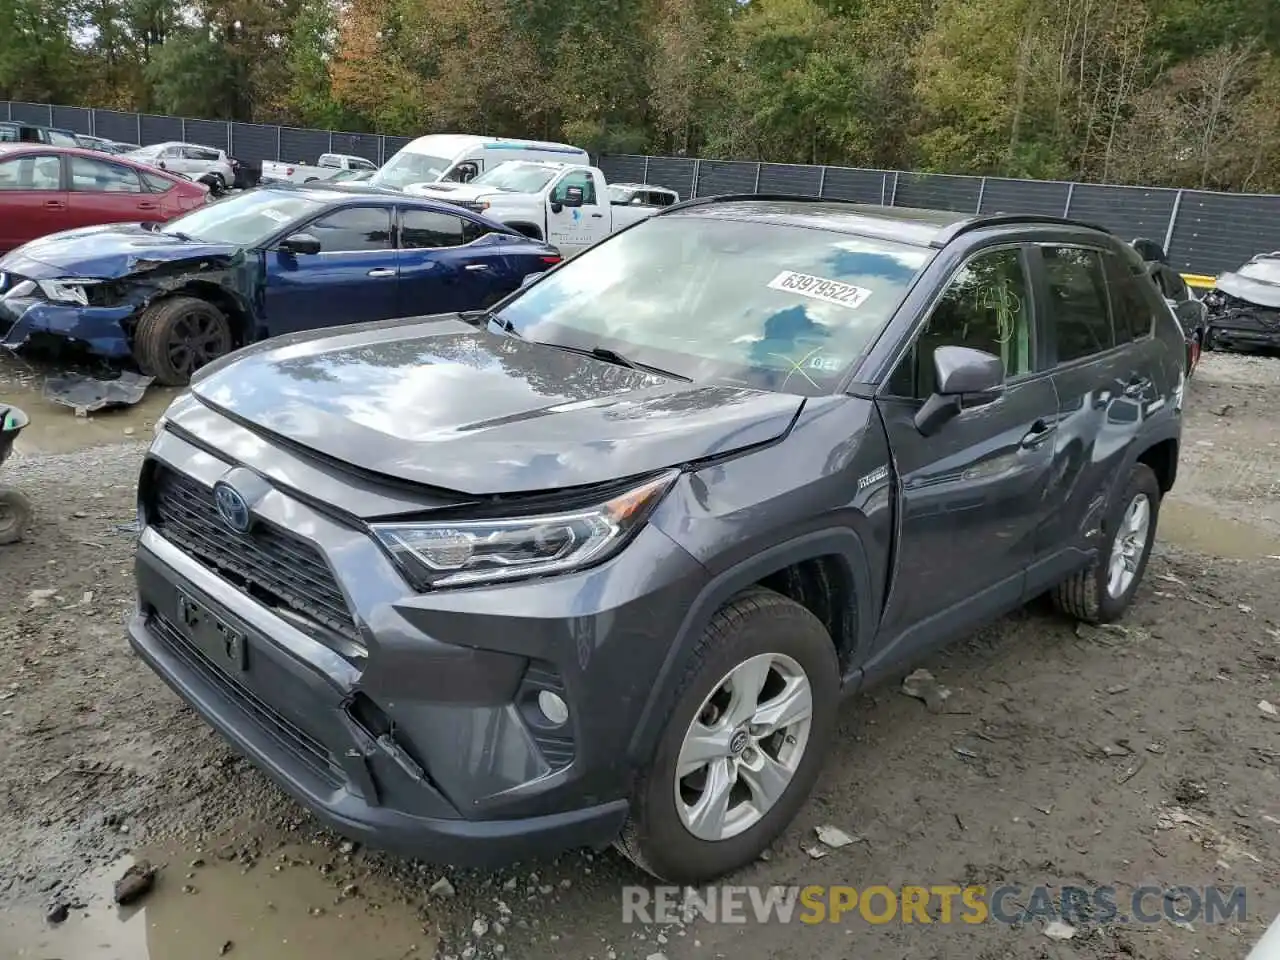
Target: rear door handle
(146, 206)
(477, 266)
(55, 204)
(1037, 435)
(597, 215)
(382, 272)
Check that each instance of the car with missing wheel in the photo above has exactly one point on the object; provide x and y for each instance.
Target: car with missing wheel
(598, 565)
(270, 261)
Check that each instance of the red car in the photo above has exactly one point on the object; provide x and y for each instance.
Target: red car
(44, 189)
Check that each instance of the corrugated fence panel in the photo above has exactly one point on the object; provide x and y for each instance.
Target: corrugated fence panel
(1131, 212)
(861, 186)
(1220, 231)
(790, 179)
(623, 169)
(157, 129)
(254, 141)
(718, 177)
(356, 145)
(392, 145)
(933, 191)
(31, 113)
(115, 125)
(207, 133)
(674, 173)
(302, 146)
(1040, 197)
(78, 119)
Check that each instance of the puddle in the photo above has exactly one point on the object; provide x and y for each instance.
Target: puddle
(283, 907)
(1201, 529)
(55, 428)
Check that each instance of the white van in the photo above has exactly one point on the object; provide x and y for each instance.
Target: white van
(460, 157)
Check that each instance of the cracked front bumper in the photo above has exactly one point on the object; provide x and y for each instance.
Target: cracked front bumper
(99, 330)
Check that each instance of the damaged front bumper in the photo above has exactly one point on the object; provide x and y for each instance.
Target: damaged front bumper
(97, 330)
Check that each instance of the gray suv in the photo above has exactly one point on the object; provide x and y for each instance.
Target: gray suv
(597, 565)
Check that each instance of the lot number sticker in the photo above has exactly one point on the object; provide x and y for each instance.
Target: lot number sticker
(818, 288)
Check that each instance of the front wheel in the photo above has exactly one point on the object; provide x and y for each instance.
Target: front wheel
(15, 516)
(1102, 593)
(176, 337)
(743, 746)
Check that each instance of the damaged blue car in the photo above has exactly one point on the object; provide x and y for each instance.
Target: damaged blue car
(173, 297)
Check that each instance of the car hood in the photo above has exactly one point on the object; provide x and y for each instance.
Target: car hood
(107, 252)
(1246, 288)
(439, 402)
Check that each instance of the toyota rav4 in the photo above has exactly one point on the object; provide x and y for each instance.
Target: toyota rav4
(597, 565)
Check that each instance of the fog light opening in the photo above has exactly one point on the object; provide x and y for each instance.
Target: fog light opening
(553, 707)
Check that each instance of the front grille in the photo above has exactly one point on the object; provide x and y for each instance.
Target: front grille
(293, 738)
(274, 567)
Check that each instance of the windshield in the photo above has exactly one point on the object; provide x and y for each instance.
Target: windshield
(762, 305)
(245, 219)
(514, 176)
(406, 168)
(1267, 270)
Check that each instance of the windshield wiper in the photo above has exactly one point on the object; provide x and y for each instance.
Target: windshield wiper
(613, 356)
(503, 324)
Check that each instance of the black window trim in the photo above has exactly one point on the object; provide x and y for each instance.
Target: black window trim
(401, 209)
(1051, 338)
(1034, 293)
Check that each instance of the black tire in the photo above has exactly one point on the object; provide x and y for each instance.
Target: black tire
(757, 621)
(1085, 595)
(15, 516)
(176, 337)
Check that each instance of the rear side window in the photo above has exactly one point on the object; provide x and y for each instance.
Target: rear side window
(156, 183)
(1077, 307)
(427, 229)
(31, 173)
(1131, 310)
(99, 176)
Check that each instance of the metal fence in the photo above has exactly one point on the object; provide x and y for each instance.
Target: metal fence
(1204, 232)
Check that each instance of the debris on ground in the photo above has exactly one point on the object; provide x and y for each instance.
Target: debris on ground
(58, 912)
(922, 685)
(85, 394)
(816, 852)
(1269, 708)
(135, 884)
(1058, 930)
(442, 888)
(834, 837)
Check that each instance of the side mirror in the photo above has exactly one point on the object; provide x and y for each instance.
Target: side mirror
(161, 165)
(573, 196)
(1150, 251)
(300, 243)
(962, 374)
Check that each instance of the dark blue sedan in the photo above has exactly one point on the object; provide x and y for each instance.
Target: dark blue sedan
(271, 261)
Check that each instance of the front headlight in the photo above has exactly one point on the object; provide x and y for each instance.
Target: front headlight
(67, 290)
(463, 552)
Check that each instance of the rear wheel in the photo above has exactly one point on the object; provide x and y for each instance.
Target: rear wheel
(743, 746)
(176, 337)
(1103, 592)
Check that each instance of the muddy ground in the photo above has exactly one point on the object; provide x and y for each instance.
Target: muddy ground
(1067, 756)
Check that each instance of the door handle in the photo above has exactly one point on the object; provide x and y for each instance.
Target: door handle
(1037, 435)
(146, 206)
(477, 266)
(55, 204)
(382, 272)
(597, 215)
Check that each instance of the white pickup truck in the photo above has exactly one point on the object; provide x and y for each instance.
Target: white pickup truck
(568, 205)
(329, 165)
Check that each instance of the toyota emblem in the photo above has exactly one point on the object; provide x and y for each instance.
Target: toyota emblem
(232, 507)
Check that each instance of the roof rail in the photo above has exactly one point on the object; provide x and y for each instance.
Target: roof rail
(981, 221)
(732, 197)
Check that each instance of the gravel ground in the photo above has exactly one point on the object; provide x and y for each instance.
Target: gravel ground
(1065, 756)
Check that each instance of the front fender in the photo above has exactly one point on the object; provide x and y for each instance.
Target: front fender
(842, 543)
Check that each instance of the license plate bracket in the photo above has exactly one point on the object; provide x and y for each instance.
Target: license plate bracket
(219, 641)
